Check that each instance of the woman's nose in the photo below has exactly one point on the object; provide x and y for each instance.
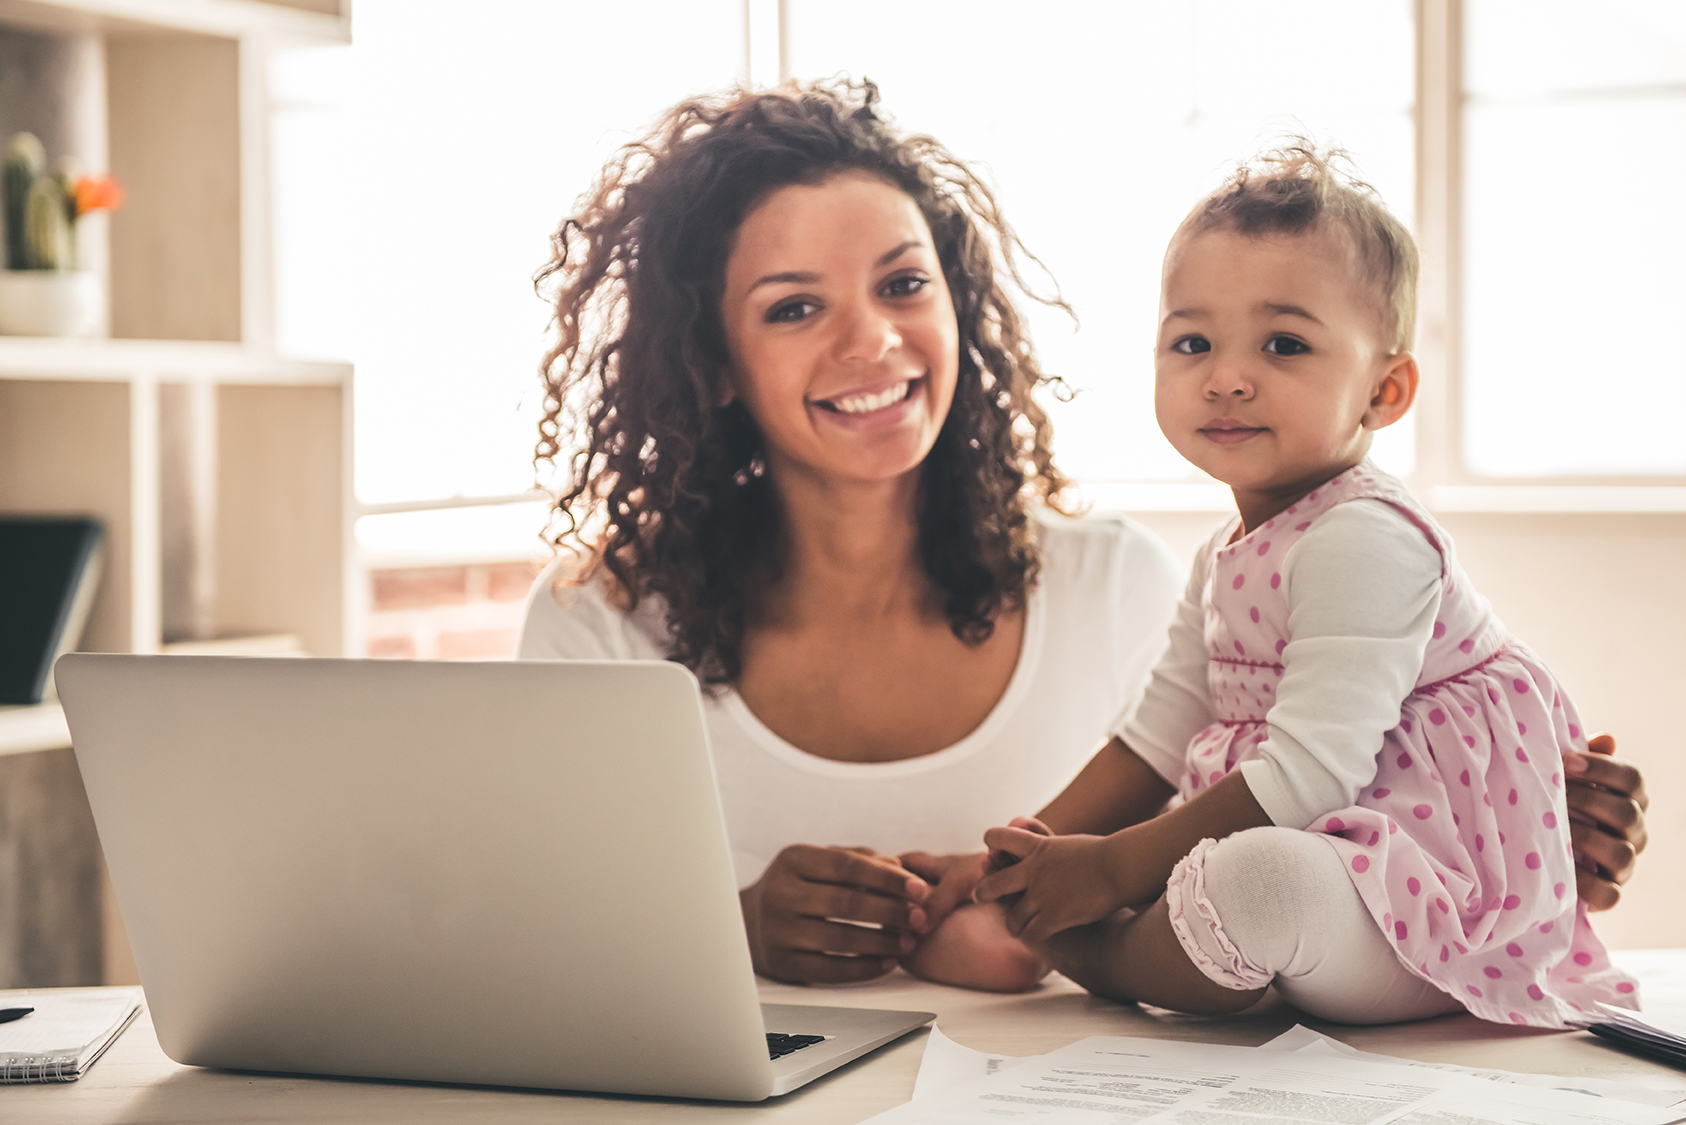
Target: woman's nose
(868, 336)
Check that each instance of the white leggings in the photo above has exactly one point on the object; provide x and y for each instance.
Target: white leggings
(1274, 906)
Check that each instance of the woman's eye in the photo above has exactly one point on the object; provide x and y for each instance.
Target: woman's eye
(1192, 345)
(905, 286)
(791, 311)
(1285, 345)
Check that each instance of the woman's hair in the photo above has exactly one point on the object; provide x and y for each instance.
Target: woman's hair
(665, 486)
(1295, 189)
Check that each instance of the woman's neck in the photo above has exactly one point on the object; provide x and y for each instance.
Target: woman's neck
(851, 549)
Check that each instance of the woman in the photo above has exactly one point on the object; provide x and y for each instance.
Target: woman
(811, 469)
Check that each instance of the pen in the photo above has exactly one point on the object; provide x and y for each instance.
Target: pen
(7, 1015)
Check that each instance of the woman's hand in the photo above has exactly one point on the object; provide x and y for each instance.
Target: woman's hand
(800, 915)
(951, 878)
(1609, 793)
(1058, 881)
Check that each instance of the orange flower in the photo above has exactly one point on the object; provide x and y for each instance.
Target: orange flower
(96, 193)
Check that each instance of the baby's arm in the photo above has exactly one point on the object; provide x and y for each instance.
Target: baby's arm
(1065, 881)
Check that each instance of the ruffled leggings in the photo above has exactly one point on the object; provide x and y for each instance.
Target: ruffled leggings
(1275, 906)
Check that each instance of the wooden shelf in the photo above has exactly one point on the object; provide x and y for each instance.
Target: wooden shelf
(30, 357)
(27, 729)
(231, 18)
(221, 471)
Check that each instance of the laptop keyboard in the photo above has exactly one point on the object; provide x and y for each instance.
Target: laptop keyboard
(778, 1046)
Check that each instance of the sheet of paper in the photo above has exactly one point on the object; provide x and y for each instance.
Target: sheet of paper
(1524, 1105)
(1112, 1079)
(1662, 985)
(1300, 1038)
(1140, 1081)
(948, 1066)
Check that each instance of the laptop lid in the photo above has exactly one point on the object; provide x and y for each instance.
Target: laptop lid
(511, 873)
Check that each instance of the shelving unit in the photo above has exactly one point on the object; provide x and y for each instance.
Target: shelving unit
(220, 470)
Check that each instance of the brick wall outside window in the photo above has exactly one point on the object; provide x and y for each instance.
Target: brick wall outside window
(468, 612)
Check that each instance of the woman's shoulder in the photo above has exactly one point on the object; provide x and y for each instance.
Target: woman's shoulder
(1092, 554)
(569, 618)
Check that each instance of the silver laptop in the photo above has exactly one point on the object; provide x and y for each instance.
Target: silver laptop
(513, 874)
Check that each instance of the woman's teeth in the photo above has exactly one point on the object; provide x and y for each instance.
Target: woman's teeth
(866, 404)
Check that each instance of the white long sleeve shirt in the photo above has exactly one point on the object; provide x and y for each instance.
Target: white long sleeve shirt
(1363, 587)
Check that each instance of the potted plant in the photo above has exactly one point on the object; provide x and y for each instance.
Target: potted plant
(42, 292)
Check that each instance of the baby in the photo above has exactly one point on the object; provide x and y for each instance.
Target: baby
(1368, 769)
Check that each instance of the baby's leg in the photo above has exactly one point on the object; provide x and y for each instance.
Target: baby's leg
(1262, 906)
(972, 949)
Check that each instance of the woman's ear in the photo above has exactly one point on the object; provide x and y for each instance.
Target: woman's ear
(727, 392)
(1394, 393)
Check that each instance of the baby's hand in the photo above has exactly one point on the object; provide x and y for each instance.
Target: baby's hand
(999, 859)
(1060, 881)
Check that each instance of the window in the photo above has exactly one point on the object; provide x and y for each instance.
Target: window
(419, 174)
(1574, 150)
(421, 170)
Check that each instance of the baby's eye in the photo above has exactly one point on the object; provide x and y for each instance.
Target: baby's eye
(792, 311)
(1285, 345)
(906, 285)
(1192, 345)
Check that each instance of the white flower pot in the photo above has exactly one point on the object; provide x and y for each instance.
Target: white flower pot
(51, 302)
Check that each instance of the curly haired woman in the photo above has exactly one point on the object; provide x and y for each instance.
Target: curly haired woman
(795, 406)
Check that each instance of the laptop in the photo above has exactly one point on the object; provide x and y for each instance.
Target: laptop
(511, 874)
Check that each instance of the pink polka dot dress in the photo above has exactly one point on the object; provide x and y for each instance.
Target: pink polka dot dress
(1460, 845)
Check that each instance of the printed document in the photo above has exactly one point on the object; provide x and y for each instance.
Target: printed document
(1124, 1081)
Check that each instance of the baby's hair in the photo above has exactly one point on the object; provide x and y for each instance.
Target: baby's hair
(1295, 189)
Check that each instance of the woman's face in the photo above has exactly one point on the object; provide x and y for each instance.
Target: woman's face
(843, 342)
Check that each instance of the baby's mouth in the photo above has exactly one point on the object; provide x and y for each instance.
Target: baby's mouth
(1229, 432)
(859, 404)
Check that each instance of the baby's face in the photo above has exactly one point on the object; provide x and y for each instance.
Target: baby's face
(1271, 363)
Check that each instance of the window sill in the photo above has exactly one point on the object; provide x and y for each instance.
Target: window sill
(1556, 498)
(1123, 496)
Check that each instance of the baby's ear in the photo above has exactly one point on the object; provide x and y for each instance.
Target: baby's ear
(1394, 393)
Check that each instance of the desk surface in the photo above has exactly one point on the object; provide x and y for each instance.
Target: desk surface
(135, 1083)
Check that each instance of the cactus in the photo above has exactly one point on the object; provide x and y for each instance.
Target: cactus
(48, 237)
(41, 211)
(24, 162)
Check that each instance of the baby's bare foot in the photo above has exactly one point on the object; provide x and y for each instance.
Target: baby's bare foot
(973, 949)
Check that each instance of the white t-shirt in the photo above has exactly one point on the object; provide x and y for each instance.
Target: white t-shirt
(1363, 590)
(1095, 624)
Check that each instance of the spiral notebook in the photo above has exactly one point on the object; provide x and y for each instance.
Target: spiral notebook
(68, 1030)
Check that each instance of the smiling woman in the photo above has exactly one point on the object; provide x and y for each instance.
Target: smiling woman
(848, 364)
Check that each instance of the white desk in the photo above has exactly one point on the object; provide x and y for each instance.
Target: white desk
(135, 1083)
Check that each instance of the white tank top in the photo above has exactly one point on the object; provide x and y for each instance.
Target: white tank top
(1095, 624)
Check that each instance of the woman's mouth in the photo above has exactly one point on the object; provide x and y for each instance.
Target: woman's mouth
(1227, 431)
(858, 404)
